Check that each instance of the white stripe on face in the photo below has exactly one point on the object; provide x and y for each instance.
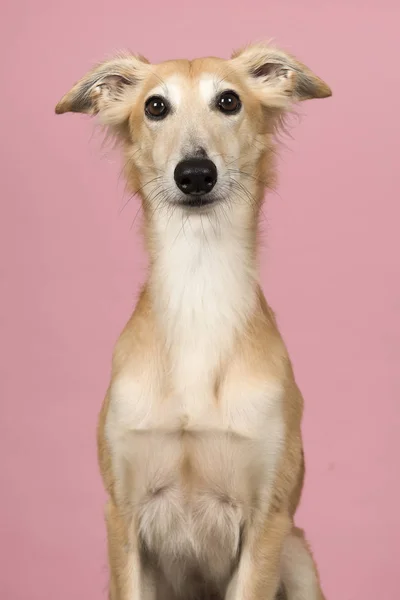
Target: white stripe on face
(208, 88)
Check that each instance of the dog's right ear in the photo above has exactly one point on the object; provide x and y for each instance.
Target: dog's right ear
(104, 85)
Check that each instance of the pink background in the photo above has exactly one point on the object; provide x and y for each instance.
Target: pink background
(71, 265)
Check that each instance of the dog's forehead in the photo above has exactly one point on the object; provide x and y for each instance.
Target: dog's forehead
(201, 78)
(178, 89)
(191, 69)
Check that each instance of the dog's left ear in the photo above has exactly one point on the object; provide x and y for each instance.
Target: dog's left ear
(277, 78)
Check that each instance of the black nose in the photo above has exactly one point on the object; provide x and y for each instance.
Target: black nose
(195, 176)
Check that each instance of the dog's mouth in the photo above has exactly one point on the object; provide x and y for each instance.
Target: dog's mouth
(198, 201)
(193, 202)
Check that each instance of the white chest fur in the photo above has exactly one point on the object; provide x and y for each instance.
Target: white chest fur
(192, 470)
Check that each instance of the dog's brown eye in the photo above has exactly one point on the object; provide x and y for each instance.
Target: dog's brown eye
(229, 103)
(156, 107)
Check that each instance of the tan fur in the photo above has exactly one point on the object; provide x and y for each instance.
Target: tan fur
(199, 436)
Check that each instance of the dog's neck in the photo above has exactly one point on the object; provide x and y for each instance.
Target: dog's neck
(203, 285)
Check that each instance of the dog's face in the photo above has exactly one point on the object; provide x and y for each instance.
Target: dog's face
(190, 125)
(196, 133)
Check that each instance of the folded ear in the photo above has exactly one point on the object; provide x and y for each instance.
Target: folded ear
(103, 85)
(277, 77)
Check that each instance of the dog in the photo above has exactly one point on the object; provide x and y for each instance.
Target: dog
(199, 436)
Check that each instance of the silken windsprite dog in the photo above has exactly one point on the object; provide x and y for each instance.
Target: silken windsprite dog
(199, 436)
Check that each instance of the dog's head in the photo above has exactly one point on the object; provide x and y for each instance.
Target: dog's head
(196, 133)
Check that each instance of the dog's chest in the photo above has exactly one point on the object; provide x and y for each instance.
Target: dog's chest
(192, 467)
(248, 410)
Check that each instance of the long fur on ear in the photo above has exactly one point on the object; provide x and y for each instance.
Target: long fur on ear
(278, 78)
(104, 85)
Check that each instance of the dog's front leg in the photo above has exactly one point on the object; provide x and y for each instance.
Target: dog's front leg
(258, 573)
(128, 578)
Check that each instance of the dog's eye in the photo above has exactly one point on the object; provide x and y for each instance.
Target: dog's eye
(156, 107)
(229, 103)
